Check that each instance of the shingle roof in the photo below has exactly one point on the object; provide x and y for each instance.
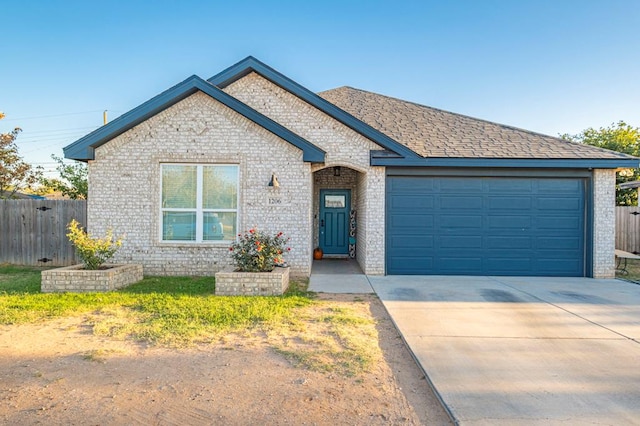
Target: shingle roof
(434, 133)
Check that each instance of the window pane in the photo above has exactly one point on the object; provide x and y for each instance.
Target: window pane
(219, 226)
(220, 187)
(179, 186)
(180, 226)
(335, 201)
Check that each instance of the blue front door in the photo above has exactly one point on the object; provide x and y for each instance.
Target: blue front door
(334, 220)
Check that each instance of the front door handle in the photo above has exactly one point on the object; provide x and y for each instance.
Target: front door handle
(322, 223)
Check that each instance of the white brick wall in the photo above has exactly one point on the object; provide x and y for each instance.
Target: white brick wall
(124, 192)
(344, 147)
(125, 179)
(604, 223)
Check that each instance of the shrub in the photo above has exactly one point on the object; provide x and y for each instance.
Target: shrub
(94, 252)
(256, 251)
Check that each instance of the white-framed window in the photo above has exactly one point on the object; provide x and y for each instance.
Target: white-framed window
(199, 202)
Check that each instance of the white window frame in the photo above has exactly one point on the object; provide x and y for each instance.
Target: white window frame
(199, 210)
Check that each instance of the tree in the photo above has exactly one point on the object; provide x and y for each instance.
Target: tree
(620, 137)
(15, 174)
(73, 182)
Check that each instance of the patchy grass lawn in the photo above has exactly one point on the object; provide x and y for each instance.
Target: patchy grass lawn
(633, 269)
(183, 311)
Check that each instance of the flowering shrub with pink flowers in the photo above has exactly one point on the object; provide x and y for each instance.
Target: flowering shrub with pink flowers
(257, 251)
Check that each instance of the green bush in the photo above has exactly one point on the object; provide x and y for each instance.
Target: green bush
(257, 251)
(93, 251)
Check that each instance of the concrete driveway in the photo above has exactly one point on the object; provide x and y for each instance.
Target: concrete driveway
(504, 350)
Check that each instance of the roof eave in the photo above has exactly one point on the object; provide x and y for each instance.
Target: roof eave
(556, 163)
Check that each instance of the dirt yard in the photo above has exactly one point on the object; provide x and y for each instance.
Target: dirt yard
(59, 372)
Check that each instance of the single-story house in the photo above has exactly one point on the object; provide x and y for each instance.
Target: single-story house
(405, 188)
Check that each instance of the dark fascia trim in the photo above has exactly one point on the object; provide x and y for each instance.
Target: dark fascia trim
(487, 172)
(251, 64)
(551, 163)
(83, 149)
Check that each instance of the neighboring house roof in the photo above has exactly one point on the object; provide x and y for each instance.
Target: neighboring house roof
(83, 149)
(434, 133)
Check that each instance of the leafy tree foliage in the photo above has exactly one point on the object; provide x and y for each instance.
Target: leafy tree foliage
(620, 137)
(73, 179)
(15, 174)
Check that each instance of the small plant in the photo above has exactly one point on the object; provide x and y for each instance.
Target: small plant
(257, 251)
(94, 252)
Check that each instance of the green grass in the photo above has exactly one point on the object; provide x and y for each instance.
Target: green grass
(181, 311)
(168, 310)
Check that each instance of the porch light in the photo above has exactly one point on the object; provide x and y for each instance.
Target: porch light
(336, 171)
(274, 181)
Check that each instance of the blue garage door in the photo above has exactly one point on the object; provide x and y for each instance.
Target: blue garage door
(485, 226)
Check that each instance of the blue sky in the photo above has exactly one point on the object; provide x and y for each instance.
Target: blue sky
(551, 66)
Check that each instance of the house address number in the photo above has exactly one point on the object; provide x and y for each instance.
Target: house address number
(275, 201)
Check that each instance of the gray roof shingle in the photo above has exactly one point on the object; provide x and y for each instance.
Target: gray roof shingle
(434, 133)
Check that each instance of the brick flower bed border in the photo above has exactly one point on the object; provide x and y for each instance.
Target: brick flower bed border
(230, 283)
(75, 279)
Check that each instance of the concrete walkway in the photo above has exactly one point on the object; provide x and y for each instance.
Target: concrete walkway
(523, 350)
(338, 276)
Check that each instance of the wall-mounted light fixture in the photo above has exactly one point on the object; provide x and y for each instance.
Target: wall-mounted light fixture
(336, 171)
(274, 181)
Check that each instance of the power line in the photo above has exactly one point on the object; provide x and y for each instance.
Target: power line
(53, 116)
(27, 133)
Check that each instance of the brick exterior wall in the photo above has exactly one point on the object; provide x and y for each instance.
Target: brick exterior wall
(75, 279)
(274, 283)
(124, 179)
(124, 182)
(604, 223)
(344, 148)
(124, 186)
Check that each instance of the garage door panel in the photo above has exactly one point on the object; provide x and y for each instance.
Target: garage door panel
(460, 202)
(558, 243)
(560, 267)
(509, 203)
(411, 265)
(509, 222)
(486, 226)
(516, 186)
(551, 204)
(460, 185)
(401, 221)
(409, 184)
(460, 242)
(410, 242)
(403, 202)
(509, 242)
(559, 223)
(460, 221)
(571, 186)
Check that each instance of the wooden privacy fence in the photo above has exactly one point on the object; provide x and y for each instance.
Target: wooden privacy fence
(628, 229)
(33, 232)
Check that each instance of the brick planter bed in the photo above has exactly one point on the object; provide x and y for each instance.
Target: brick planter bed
(74, 279)
(274, 283)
